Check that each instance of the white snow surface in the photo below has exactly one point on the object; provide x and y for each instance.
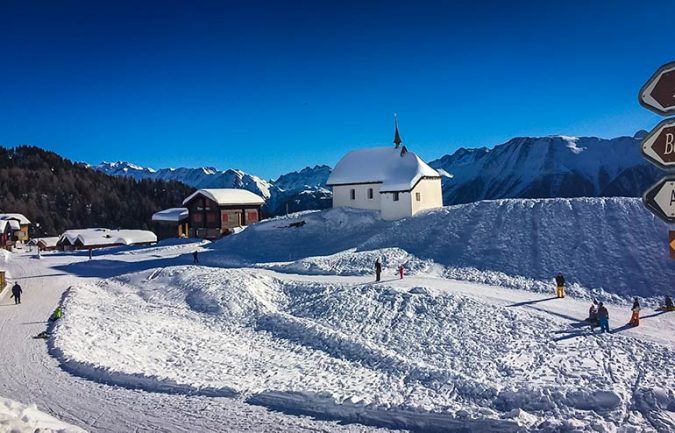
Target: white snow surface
(16, 417)
(228, 196)
(295, 323)
(601, 245)
(386, 165)
(102, 236)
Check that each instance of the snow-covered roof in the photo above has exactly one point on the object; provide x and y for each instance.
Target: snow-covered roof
(175, 214)
(13, 225)
(100, 236)
(14, 216)
(386, 165)
(47, 242)
(228, 196)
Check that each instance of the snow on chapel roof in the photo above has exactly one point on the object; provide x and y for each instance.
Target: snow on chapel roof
(228, 196)
(396, 170)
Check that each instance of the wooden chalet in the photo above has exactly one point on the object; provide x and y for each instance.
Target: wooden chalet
(217, 212)
(13, 227)
(171, 223)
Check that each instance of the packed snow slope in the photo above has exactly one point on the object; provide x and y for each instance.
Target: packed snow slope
(29, 374)
(427, 354)
(606, 244)
(21, 418)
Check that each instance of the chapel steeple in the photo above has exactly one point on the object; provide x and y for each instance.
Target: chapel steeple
(397, 137)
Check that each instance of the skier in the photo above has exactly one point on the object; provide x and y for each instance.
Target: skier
(603, 318)
(400, 271)
(560, 285)
(378, 269)
(56, 315)
(16, 293)
(635, 317)
(195, 259)
(593, 314)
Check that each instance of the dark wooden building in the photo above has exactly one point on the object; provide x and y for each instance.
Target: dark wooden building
(171, 223)
(13, 227)
(217, 212)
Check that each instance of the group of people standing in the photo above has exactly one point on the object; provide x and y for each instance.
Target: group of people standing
(378, 270)
(598, 314)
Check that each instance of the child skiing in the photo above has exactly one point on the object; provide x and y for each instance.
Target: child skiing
(378, 269)
(400, 271)
(635, 316)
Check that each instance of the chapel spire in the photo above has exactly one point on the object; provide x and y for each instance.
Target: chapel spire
(397, 137)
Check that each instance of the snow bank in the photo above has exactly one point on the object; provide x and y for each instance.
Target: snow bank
(611, 245)
(360, 352)
(20, 418)
(358, 263)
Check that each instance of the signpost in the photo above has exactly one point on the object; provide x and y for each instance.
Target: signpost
(660, 199)
(658, 94)
(658, 147)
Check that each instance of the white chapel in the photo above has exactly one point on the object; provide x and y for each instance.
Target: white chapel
(392, 180)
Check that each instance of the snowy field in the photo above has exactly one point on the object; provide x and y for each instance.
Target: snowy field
(290, 320)
(20, 418)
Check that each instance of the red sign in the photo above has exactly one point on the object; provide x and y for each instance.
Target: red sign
(658, 94)
(659, 146)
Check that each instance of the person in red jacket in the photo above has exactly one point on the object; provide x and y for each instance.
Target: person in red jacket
(400, 271)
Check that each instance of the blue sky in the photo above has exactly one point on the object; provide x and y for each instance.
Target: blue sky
(271, 87)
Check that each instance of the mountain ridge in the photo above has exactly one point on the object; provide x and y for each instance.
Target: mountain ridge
(522, 167)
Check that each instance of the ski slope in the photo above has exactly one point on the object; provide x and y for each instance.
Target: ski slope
(31, 375)
(293, 324)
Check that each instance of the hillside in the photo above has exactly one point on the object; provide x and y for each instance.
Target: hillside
(601, 244)
(59, 194)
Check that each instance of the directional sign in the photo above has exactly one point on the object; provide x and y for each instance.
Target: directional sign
(660, 199)
(671, 239)
(659, 146)
(658, 94)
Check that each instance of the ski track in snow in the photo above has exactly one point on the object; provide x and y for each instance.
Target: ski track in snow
(150, 342)
(30, 375)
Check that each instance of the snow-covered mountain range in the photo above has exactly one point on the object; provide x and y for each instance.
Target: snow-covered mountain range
(524, 167)
(545, 167)
(293, 191)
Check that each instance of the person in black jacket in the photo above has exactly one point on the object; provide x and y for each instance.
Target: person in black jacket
(560, 285)
(378, 269)
(16, 293)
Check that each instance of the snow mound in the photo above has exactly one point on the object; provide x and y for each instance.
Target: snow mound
(16, 417)
(4, 256)
(366, 352)
(611, 245)
(356, 263)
